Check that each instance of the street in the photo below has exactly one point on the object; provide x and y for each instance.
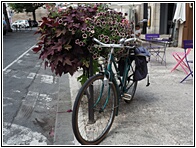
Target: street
(29, 92)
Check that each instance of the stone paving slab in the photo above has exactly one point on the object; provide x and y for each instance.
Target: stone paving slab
(161, 114)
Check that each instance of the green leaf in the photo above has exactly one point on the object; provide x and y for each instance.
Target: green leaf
(82, 79)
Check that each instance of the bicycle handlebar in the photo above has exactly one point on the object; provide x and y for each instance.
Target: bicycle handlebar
(108, 45)
(118, 45)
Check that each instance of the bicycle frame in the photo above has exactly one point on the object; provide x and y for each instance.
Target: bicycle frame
(109, 73)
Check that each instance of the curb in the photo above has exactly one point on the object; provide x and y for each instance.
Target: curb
(74, 88)
(63, 127)
(68, 89)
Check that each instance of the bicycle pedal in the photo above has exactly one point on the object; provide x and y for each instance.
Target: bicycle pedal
(127, 96)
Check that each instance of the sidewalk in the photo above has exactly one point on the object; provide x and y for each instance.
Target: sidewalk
(161, 114)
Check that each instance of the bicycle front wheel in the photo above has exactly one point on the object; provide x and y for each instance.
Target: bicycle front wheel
(94, 110)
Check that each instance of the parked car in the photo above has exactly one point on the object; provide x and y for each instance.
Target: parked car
(34, 23)
(20, 24)
(4, 27)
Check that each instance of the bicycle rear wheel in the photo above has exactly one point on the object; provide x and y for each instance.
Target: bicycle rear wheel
(131, 84)
(90, 130)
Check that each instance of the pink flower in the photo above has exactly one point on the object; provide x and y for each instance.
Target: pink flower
(106, 40)
(60, 21)
(103, 23)
(88, 29)
(77, 41)
(81, 43)
(59, 10)
(90, 34)
(83, 30)
(100, 49)
(84, 36)
(70, 29)
(95, 56)
(98, 23)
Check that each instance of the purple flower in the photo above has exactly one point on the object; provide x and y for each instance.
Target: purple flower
(103, 23)
(106, 40)
(95, 56)
(100, 49)
(111, 28)
(70, 29)
(98, 23)
(81, 43)
(120, 13)
(77, 41)
(90, 34)
(83, 30)
(101, 35)
(118, 34)
(84, 36)
(60, 21)
(88, 29)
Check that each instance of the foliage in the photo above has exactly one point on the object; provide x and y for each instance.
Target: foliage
(66, 36)
(27, 7)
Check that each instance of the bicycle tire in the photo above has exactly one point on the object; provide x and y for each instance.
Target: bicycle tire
(93, 134)
(131, 84)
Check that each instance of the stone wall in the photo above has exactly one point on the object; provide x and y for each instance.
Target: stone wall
(155, 18)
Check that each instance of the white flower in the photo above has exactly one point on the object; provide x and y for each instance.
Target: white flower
(92, 31)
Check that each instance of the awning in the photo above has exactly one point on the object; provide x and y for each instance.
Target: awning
(180, 14)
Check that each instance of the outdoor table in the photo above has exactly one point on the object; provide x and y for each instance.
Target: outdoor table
(162, 43)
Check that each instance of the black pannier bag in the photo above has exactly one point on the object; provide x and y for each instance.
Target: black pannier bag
(121, 64)
(141, 69)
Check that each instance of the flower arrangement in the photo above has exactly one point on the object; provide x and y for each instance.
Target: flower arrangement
(109, 27)
(65, 43)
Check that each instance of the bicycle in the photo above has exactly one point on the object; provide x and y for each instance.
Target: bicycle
(97, 101)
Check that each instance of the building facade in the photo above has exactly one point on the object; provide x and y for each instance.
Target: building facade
(160, 21)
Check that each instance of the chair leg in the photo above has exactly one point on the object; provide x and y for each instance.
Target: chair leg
(191, 73)
(180, 62)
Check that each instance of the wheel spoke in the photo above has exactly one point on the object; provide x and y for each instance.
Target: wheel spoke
(94, 132)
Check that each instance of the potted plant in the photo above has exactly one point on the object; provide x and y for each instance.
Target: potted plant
(65, 42)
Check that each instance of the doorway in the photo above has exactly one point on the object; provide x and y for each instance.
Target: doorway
(167, 11)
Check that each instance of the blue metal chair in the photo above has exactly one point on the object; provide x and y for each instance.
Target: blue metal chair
(187, 45)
